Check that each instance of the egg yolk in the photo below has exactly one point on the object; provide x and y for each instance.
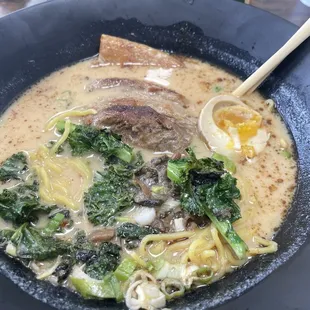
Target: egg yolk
(246, 121)
(248, 151)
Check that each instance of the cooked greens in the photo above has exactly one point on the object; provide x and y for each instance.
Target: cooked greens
(84, 138)
(21, 204)
(178, 170)
(131, 231)
(64, 268)
(98, 260)
(13, 167)
(229, 165)
(206, 189)
(30, 244)
(106, 258)
(112, 192)
(54, 224)
(82, 248)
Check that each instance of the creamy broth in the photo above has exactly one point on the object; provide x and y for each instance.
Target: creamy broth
(267, 182)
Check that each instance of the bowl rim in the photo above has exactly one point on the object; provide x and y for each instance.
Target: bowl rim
(25, 14)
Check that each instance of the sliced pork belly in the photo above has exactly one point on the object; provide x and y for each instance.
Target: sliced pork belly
(118, 51)
(146, 114)
(144, 127)
(140, 87)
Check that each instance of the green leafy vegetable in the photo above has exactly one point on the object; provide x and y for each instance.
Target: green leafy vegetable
(111, 193)
(98, 260)
(83, 138)
(125, 269)
(106, 259)
(207, 189)
(80, 251)
(131, 231)
(21, 204)
(178, 170)
(220, 195)
(53, 225)
(110, 144)
(64, 269)
(30, 244)
(13, 167)
(229, 165)
(82, 248)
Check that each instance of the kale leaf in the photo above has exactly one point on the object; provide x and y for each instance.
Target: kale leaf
(207, 189)
(81, 137)
(13, 167)
(205, 180)
(21, 204)
(82, 248)
(110, 144)
(112, 192)
(98, 259)
(216, 192)
(30, 244)
(106, 259)
(178, 170)
(64, 269)
(131, 231)
(84, 138)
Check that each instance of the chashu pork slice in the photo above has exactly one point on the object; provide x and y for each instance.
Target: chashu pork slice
(144, 127)
(118, 51)
(139, 87)
(160, 98)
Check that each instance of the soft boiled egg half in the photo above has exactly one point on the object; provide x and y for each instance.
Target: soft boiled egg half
(230, 127)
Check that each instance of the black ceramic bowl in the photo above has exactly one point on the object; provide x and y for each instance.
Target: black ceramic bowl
(37, 41)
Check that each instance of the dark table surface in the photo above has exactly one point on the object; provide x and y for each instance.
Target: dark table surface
(282, 289)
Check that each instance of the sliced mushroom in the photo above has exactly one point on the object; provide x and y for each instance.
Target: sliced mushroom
(102, 234)
(145, 189)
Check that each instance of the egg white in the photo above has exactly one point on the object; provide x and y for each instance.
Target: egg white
(223, 143)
